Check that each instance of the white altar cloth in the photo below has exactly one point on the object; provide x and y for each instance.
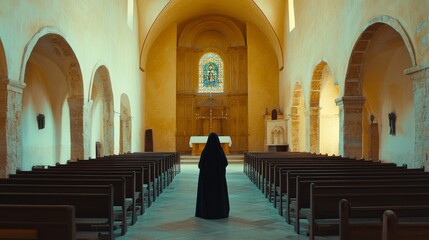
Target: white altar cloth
(203, 139)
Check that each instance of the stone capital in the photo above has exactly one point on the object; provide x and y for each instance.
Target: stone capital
(11, 85)
(350, 101)
(416, 69)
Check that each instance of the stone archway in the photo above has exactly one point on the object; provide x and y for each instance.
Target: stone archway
(54, 88)
(125, 125)
(323, 111)
(314, 107)
(102, 111)
(297, 119)
(351, 104)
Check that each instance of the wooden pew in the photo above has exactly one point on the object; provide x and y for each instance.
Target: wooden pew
(324, 217)
(289, 187)
(395, 229)
(49, 222)
(119, 199)
(291, 177)
(301, 205)
(149, 168)
(282, 181)
(52, 188)
(93, 211)
(130, 182)
(141, 173)
(365, 222)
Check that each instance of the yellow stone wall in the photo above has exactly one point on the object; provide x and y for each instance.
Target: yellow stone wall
(262, 85)
(160, 92)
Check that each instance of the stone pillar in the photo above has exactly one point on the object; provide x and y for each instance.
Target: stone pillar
(351, 125)
(77, 130)
(125, 145)
(420, 77)
(108, 128)
(294, 122)
(314, 130)
(10, 126)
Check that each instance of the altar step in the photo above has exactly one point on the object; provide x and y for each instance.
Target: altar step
(233, 158)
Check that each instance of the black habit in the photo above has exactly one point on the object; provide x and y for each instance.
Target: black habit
(212, 196)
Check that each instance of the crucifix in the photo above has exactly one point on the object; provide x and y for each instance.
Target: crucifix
(211, 116)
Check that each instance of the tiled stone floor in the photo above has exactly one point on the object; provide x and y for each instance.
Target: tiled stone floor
(172, 214)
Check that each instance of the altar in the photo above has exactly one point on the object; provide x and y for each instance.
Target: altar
(197, 143)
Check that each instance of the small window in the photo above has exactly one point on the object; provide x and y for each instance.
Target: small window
(210, 74)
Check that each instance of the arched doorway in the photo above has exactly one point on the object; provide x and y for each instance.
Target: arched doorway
(102, 124)
(125, 125)
(376, 85)
(324, 119)
(53, 90)
(297, 118)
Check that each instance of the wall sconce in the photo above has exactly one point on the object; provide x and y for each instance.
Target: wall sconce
(392, 123)
(372, 118)
(41, 121)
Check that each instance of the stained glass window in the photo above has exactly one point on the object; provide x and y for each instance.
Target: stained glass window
(210, 74)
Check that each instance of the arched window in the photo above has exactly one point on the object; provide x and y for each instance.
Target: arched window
(210, 74)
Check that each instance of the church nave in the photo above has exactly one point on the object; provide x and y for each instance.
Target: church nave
(171, 216)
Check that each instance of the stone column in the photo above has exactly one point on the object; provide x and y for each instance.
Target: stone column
(420, 77)
(314, 129)
(294, 122)
(10, 126)
(77, 132)
(125, 145)
(108, 128)
(351, 125)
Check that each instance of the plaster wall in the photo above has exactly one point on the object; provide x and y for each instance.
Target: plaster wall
(275, 12)
(51, 144)
(329, 118)
(263, 82)
(96, 126)
(97, 32)
(387, 90)
(160, 91)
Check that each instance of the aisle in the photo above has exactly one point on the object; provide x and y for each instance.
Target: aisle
(172, 215)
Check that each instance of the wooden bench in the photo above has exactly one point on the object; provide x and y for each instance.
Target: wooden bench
(289, 180)
(366, 222)
(120, 203)
(93, 211)
(52, 188)
(282, 181)
(395, 229)
(141, 172)
(49, 222)
(324, 211)
(300, 206)
(130, 182)
(151, 170)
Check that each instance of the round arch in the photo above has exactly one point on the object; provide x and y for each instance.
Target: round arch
(353, 81)
(177, 12)
(102, 111)
(352, 102)
(315, 86)
(50, 43)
